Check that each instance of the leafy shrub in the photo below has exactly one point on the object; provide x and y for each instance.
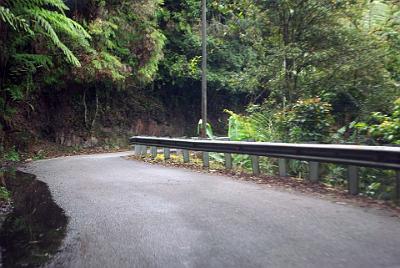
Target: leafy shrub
(377, 183)
(240, 127)
(209, 131)
(383, 128)
(4, 194)
(308, 120)
(263, 121)
(12, 155)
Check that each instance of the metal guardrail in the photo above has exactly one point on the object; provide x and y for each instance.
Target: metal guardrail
(373, 156)
(352, 155)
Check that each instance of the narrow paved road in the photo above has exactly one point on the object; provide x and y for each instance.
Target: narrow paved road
(131, 214)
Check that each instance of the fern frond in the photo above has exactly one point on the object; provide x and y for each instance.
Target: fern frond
(59, 5)
(49, 31)
(38, 60)
(65, 24)
(15, 22)
(45, 17)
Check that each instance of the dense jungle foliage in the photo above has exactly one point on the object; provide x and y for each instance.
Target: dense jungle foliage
(287, 70)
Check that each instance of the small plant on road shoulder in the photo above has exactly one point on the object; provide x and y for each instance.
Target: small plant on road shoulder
(39, 155)
(12, 155)
(4, 194)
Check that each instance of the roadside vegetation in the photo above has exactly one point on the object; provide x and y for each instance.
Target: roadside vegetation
(310, 121)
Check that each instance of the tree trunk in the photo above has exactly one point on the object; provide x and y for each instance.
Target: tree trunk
(85, 108)
(96, 112)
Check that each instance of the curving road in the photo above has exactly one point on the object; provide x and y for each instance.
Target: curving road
(131, 214)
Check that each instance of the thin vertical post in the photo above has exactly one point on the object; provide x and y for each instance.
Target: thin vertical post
(167, 154)
(398, 185)
(255, 164)
(137, 149)
(206, 159)
(352, 176)
(144, 150)
(228, 161)
(282, 167)
(204, 68)
(186, 158)
(314, 171)
(153, 151)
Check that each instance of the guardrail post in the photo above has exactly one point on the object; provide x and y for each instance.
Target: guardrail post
(137, 149)
(167, 154)
(282, 167)
(153, 151)
(143, 151)
(186, 158)
(206, 159)
(314, 171)
(398, 185)
(228, 161)
(352, 176)
(255, 164)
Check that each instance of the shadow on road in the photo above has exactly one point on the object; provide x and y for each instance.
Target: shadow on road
(35, 228)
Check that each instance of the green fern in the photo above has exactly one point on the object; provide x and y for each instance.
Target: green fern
(149, 70)
(36, 60)
(45, 17)
(59, 5)
(17, 23)
(50, 32)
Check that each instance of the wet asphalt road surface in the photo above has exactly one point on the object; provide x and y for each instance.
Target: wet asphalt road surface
(125, 213)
